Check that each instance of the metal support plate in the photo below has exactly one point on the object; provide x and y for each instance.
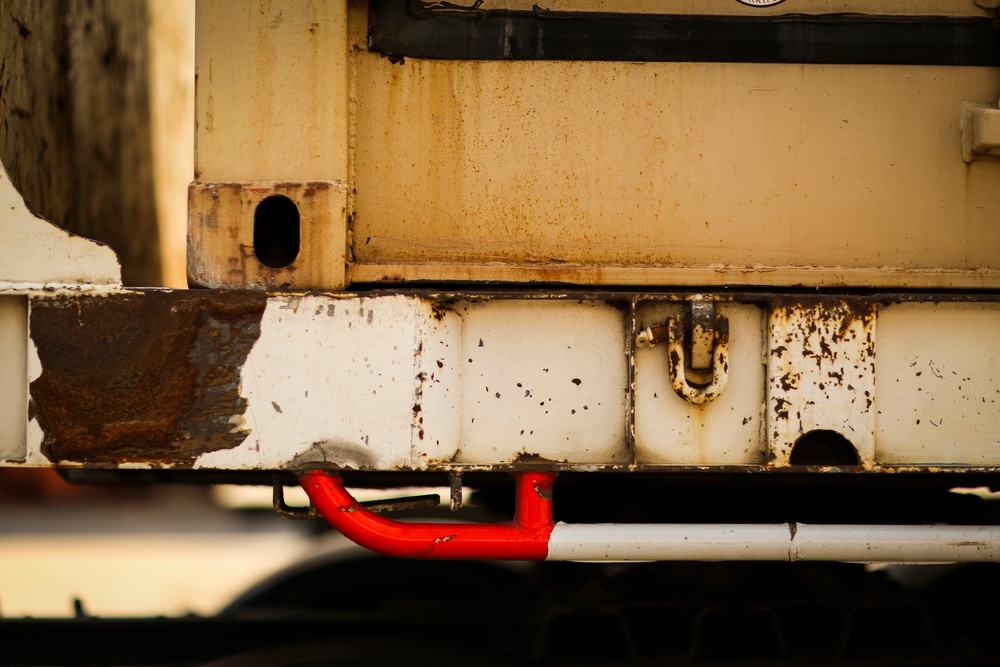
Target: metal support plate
(459, 381)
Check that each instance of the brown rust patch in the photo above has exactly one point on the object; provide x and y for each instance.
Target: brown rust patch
(150, 377)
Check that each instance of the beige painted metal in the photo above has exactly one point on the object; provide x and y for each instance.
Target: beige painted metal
(937, 385)
(272, 90)
(820, 376)
(272, 108)
(676, 173)
(13, 377)
(598, 172)
(980, 132)
(732, 7)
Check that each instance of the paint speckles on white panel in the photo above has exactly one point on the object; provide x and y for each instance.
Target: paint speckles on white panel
(821, 375)
(438, 371)
(543, 380)
(330, 380)
(938, 388)
(35, 435)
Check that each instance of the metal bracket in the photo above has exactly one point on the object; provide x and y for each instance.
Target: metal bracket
(698, 351)
(282, 509)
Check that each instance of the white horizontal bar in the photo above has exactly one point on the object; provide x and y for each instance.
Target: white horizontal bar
(779, 542)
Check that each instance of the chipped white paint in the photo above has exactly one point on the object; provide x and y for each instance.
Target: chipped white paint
(543, 379)
(335, 380)
(821, 376)
(35, 254)
(392, 382)
(670, 430)
(937, 392)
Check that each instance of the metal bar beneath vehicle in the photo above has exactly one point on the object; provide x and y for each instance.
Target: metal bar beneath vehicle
(532, 535)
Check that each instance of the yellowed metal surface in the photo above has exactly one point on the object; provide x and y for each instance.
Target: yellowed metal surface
(732, 7)
(601, 172)
(272, 119)
(682, 166)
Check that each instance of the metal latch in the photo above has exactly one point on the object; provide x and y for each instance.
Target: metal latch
(980, 126)
(698, 350)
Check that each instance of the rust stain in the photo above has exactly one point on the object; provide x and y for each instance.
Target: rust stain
(142, 377)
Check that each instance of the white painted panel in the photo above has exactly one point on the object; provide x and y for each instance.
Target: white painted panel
(726, 431)
(937, 394)
(35, 253)
(13, 377)
(543, 379)
(438, 370)
(821, 368)
(334, 380)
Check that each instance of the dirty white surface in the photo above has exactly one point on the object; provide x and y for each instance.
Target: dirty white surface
(36, 254)
(394, 383)
(821, 376)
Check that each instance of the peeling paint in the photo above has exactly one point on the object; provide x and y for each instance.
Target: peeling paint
(150, 378)
(821, 373)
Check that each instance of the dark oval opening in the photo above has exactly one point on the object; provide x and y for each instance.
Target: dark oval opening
(824, 448)
(276, 231)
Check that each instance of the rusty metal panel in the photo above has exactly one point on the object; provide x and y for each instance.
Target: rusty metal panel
(149, 377)
(222, 231)
(821, 374)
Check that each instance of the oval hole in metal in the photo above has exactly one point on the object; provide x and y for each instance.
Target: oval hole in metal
(276, 231)
(823, 448)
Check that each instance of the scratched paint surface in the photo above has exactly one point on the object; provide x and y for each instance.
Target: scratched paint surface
(332, 382)
(233, 380)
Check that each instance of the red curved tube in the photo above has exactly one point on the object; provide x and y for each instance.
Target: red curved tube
(526, 538)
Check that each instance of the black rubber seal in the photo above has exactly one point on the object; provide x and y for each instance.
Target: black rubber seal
(442, 30)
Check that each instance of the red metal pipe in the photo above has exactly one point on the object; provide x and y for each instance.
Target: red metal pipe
(526, 538)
